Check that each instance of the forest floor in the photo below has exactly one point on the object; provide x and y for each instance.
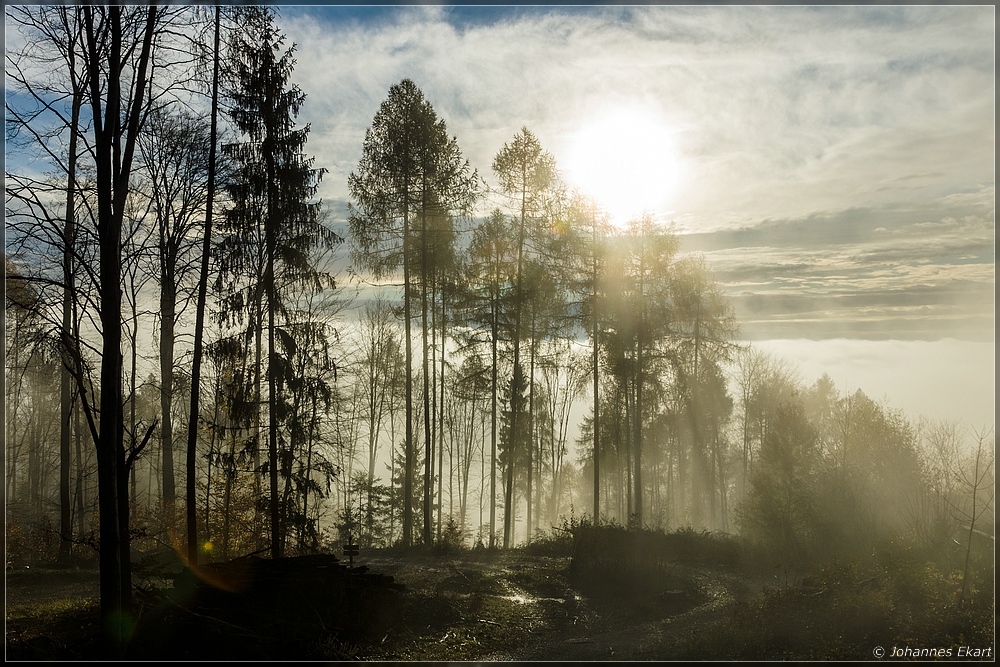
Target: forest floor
(521, 605)
(469, 606)
(513, 606)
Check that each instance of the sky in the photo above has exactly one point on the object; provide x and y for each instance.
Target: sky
(835, 165)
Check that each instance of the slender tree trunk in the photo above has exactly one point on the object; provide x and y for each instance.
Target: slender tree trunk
(227, 494)
(272, 380)
(441, 424)
(206, 244)
(112, 174)
(493, 421)
(425, 360)
(697, 442)
(212, 456)
(270, 235)
(375, 415)
(627, 453)
(531, 430)
(407, 318)
(597, 402)
(508, 523)
(639, 379)
(167, 317)
(133, 380)
(80, 502)
(65, 379)
(637, 464)
(258, 400)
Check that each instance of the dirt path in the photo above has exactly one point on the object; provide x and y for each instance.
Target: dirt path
(630, 629)
(28, 587)
(515, 607)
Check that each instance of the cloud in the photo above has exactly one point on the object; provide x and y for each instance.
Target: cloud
(777, 105)
(839, 161)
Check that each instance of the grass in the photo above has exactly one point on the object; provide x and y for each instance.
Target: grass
(46, 611)
(67, 628)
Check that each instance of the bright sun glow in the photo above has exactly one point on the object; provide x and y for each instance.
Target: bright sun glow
(626, 160)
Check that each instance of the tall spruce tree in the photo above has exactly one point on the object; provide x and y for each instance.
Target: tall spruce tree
(274, 223)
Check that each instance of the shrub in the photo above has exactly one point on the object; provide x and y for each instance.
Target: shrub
(452, 538)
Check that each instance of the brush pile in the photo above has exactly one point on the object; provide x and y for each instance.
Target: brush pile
(303, 607)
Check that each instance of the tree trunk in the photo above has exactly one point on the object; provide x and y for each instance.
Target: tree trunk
(272, 367)
(407, 318)
(508, 519)
(441, 425)
(597, 402)
(425, 360)
(493, 423)
(112, 174)
(65, 379)
(167, 317)
(192, 436)
(531, 431)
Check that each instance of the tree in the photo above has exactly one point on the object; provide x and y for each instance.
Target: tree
(306, 389)
(486, 305)
(117, 110)
(206, 242)
(410, 174)
(379, 373)
(978, 483)
(564, 379)
(780, 508)
(587, 248)
(764, 383)
(640, 312)
(704, 327)
(527, 174)
(108, 56)
(175, 153)
(62, 29)
(272, 188)
(470, 385)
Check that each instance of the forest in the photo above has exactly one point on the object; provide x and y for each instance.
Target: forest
(202, 360)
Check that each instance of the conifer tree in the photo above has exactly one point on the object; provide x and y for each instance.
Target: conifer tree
(527, 174)
(410, 180)
(274, 224)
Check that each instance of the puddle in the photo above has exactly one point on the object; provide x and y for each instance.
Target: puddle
(528, 599)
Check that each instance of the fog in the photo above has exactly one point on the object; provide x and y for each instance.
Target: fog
(946, 379)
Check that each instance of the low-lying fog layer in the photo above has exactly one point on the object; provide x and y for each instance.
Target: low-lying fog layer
(943, 379)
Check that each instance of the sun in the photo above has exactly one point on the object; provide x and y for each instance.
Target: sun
(627, 160)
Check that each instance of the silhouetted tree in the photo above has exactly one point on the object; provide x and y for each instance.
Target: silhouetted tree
(486, 306)
(411, 174)
(117, 104)
(272, 189)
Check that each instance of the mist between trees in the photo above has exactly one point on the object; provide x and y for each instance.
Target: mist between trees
(513, 370)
